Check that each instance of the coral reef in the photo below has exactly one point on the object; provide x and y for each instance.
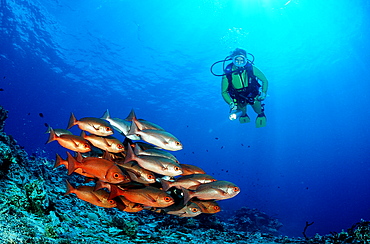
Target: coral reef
(33, 209)
(252, 220)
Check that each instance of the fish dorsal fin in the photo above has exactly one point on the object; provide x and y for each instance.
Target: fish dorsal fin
(83, 134)
(137, 149)
(131, 115)
(106, 115)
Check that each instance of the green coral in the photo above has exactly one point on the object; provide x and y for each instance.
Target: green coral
(37, 196)
(32, 197)
(361, 231)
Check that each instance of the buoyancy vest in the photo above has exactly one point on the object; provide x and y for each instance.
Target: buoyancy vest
(251, 88)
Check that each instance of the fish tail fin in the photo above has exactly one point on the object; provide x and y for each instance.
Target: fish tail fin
(130, 155)
(58, 161)
(71, 163)
(187, 195)
(72, 121)
(52, 136)
(131, 115)
(106, 115)
(48, 129)
(100, 185)
(165, 184)
(114, 192)
(70, 188)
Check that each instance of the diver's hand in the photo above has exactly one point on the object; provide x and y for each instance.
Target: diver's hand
(233, 106)
(261, 96)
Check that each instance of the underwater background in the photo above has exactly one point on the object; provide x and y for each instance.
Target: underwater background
(311, 161)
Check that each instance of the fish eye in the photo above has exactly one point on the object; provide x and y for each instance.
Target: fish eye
(120, 146)
(167, 199)
(112, 202)
(116, 175)
(194, 210)
(236, 189)
(108, 129)
(177, 168)
(151, 177)
(178, 143)
(86, 145)
(216, 208)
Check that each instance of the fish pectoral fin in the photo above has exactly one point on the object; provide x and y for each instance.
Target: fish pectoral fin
(76, 143)
(150, 198)
(224, 193)
(136, 173)
(96, 127)
(107, 143)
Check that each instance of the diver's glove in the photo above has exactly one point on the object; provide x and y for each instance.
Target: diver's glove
(261, 96)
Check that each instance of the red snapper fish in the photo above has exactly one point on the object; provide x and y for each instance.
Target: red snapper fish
(208, 207)
(189, 169)
(159, 165)
(137, 173)
(108, 143)
(103, 169)
(87, 193)
(58, 132)
(159, 138)
(148, 195)
(71, 142)
(95, 126)
(131, 207)
(120, 125)
(154, 152)
(60, 161)
(189, 210)
(216, 190)
(188, 181)
(144, 124)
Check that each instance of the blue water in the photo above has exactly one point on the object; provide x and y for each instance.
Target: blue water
(311, 162)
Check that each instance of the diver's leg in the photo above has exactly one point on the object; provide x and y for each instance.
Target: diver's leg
(261, 118)
(244, 118)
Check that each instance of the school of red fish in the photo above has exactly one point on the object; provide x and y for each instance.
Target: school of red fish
(138, 173)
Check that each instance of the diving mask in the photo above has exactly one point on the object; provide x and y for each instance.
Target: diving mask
(239, 60)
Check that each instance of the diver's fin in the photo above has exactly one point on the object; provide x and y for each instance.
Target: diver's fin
(261, 121)
(244, 119)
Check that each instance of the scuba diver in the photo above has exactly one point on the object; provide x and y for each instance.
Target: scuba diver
(243, 84)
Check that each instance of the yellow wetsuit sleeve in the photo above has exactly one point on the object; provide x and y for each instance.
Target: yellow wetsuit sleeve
(224, 87)
(262, 78)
